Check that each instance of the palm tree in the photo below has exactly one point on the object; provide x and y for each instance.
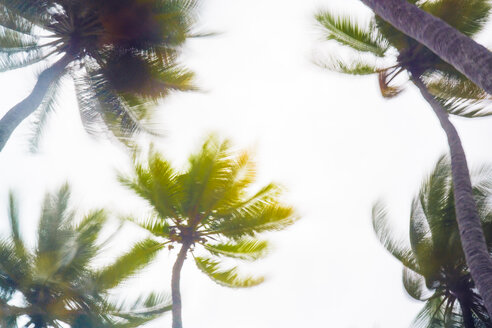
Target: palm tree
(444, 88)
(56, 282)
(467, 56)
(207, 209)
(120, 54)
(435, 270)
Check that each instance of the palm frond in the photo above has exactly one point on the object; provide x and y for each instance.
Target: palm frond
(355, 67)
(345, 31)
(384, 233)
(468, 17)
(154, 224)
(249, 249)
(14, 22)
(20, 249)
(249, 221)
(128, 264)
(20, 59)
(48, 105)
(414, 284)
(157, 183)
(142, 310)
(459, 96)
(225, 277)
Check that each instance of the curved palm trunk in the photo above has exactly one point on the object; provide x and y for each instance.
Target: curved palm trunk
(467, 56)
(471, 233)
(176, 294)
(26, 107)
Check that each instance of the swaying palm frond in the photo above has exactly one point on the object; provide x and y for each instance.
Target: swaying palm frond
(225, 277)
(345, 31)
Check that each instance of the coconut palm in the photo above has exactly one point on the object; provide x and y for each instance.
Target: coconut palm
(121, 55)
(469, 57)
(435, 270)
(56, 283)
(444, 88)
(208, 211)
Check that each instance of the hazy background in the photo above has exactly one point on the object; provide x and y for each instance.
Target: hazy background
(331, 139)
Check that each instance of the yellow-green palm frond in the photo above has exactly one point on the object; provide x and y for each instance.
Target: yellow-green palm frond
(347, 32)
(158, 183)
(226, 277)
(155, 225)
(469, 17)
(385, 233)
(249, 249)
(251, 220)
(354, 67)
(127, 265)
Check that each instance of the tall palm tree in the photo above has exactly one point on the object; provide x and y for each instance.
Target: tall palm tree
(120, 54)
(56, 282)
(444, 88)
(469, 57)
(207, 210)
(435, 270)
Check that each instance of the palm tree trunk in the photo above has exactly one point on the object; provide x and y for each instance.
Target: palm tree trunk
(176, 294)
(467, 314)
(471, 233)
(467, 56)
(26, 107)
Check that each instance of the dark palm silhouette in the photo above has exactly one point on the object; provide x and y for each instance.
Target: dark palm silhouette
(121, 54)
(435, 270)
(442, 86)
(56, 282)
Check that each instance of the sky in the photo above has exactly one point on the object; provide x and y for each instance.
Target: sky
(331, 140)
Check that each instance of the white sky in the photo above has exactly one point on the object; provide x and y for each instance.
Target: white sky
(330, 139)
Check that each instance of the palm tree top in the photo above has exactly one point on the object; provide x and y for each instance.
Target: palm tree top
(57, 281)
(435, 269)
(122, 55)
(385, 51)
(209, 204)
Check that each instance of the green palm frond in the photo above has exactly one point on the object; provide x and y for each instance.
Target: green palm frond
(142, 310)
(414, 285)
(158, 184)
(18, 60)
(345, 31)
(355, 67)
(14, 22)
(468, 17)
(52, 229)
(459, 96)
(155, 225)
(128, 264)
(48, 106)
(226, 277)
(431, 314)
(18, 243)
(384, 233)
(249, 249)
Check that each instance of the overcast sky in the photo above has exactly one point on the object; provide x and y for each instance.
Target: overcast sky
(331, 139)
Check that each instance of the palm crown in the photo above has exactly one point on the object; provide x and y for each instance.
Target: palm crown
(57, 282)
(435, 269)
(387, 52)
(120, 54)
(207, 209)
